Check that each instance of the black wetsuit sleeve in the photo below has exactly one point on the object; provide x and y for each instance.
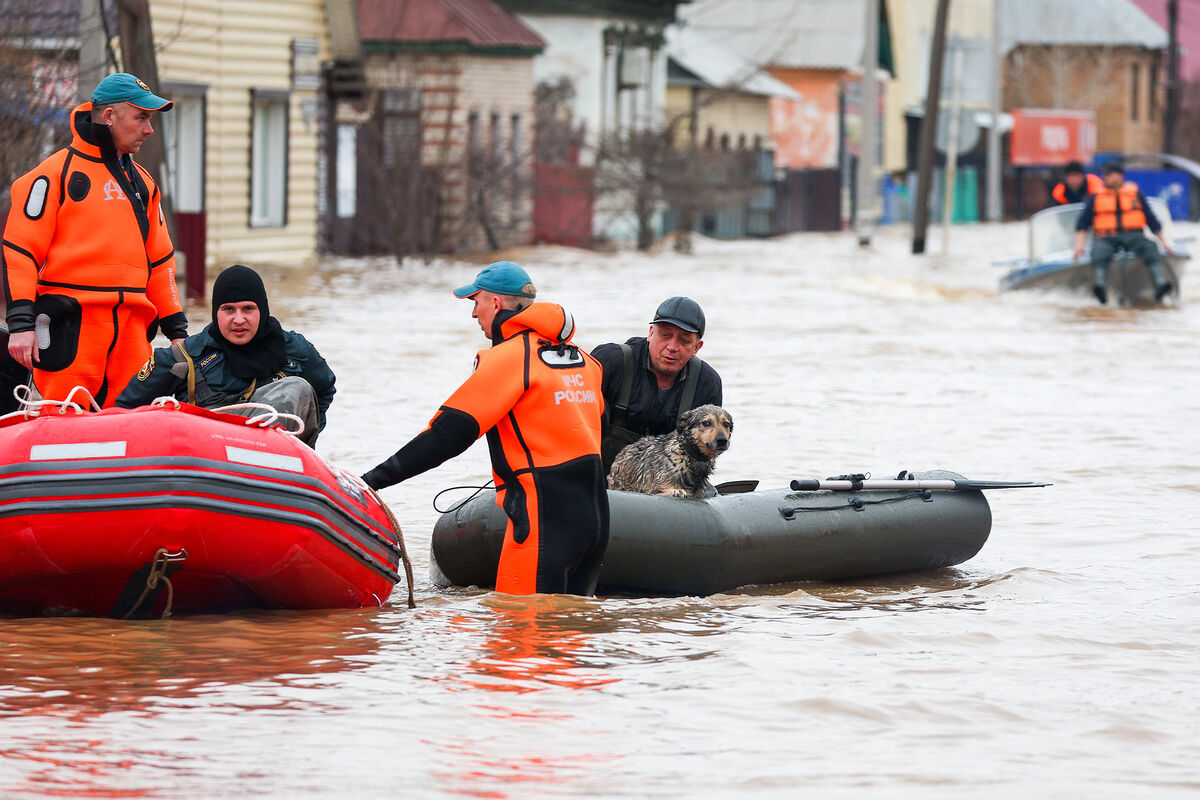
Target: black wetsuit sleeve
(174, 326)
(449, 434)
(160, 382)
(1087, 214)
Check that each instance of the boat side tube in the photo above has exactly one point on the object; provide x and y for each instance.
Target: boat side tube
(671, 546)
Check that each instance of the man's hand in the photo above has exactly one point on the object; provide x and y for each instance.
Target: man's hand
(23, 348)
(177, 341)
(1080, 243)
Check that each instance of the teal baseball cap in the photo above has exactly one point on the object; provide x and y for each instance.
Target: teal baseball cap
(121, 87)
(502, 277)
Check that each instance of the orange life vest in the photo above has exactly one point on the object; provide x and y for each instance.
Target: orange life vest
(1092, 184)
(86, 248)
(1118, 211)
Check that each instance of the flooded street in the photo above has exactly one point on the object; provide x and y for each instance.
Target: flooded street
(1064, 659)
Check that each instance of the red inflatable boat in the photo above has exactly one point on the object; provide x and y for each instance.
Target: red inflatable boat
(174, 508)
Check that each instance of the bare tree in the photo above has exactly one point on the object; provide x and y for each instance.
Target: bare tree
(38, 72)
(1062, 76)
(652, 168)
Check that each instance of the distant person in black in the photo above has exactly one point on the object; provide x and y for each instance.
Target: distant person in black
(649, 381)
(1076, 185)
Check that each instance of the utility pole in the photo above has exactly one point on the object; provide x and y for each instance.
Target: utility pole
(93, 41)
(137, 55)
(995, 198)
(1171, 117)
(952, 149)
(933, 95)
(868, 143)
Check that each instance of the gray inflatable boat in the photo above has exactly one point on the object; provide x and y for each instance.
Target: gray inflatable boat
(671, 546)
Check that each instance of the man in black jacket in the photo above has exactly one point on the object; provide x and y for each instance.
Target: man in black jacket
(649, 381)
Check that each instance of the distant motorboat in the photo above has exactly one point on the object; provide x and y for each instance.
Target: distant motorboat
(1051, 263)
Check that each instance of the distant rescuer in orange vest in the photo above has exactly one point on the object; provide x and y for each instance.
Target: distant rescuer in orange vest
(537, 398)
(1116, 214)
(88, 265)
(1076, 185)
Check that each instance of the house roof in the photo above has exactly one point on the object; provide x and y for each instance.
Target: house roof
(653, 11)
(716, 67)
(44, 20)
(1109, 23)
(469, 24)
(784, 33)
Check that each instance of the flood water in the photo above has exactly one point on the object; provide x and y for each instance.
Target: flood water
(1064, 659)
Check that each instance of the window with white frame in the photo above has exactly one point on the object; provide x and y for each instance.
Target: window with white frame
(268, 159)
(183, 135)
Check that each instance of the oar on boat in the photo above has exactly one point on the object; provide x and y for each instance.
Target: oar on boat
(855, 483)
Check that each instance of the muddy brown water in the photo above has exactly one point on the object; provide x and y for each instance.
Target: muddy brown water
(1063, 659)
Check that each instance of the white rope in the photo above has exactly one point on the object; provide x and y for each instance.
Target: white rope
(161, 402)
(31, 408)
(271, 417)
(86, 393)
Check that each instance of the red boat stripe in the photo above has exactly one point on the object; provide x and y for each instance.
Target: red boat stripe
(92, 504)
(67, 470)
(53, 488)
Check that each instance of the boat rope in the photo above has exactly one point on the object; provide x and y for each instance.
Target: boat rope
(408, 570)
(30, 408)
(468, 499)
(163, 559)
(857, 503)
(270, 417)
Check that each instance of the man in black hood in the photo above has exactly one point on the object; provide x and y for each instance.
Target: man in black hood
(243, 355)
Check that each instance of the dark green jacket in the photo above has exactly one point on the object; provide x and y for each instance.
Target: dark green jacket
(157, 380)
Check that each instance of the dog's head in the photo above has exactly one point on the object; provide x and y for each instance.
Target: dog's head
(709, 427)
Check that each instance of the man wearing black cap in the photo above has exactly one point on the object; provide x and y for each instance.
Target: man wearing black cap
(243, 355)
(1117, 214)
(650, 381)
(88, 265)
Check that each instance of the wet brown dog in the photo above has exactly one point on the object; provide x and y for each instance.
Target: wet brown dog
(678, 463)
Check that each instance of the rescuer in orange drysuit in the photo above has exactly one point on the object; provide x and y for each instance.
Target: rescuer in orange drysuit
(88, 265)
(538, 398)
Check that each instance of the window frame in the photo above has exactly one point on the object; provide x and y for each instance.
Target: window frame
(280, 97)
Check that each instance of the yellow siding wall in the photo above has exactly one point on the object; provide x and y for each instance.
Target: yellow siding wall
(912, 26)
(732, 114)
(453, 86)
(234, 47)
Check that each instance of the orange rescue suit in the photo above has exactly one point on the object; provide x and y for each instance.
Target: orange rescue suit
(538, 398)
(88, 264)
(1118, 211)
